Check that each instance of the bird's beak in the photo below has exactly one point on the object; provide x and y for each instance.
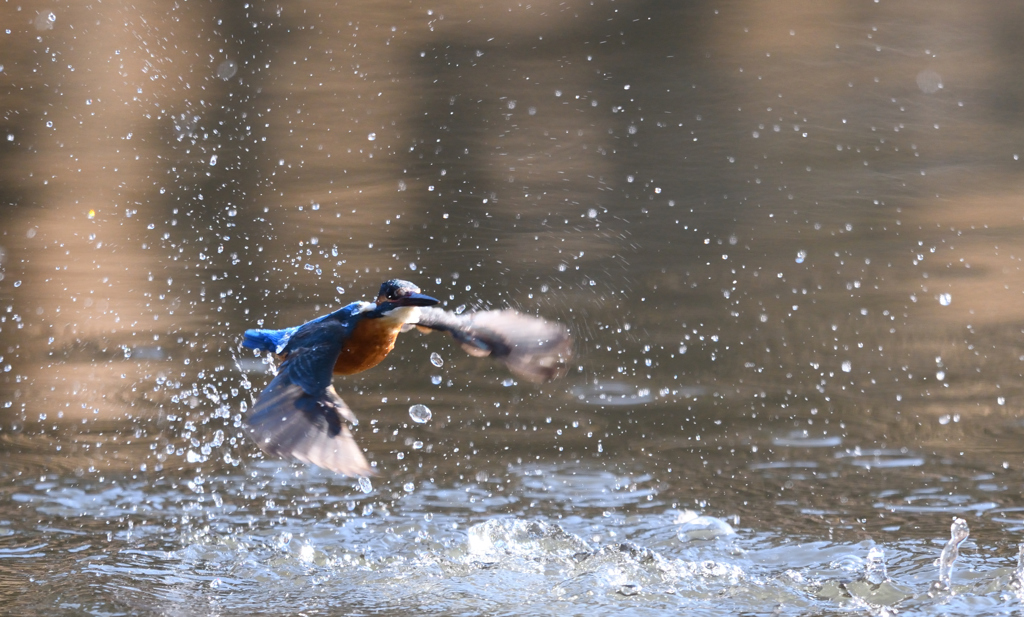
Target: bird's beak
(417, 299)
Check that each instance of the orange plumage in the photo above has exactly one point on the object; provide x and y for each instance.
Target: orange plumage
(371, 340)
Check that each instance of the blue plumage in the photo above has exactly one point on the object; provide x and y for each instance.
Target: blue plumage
(276, 340)
(267, 340)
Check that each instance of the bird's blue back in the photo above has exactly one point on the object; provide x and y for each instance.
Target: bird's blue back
(277, 340)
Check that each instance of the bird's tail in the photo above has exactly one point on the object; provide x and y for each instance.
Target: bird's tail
(267, 340)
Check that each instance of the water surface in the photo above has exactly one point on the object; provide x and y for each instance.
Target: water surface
(786, 238)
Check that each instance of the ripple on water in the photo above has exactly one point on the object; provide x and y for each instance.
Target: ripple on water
(693, 527)
(803, 439)
(880, 458)
(613, 394)
(588, 488)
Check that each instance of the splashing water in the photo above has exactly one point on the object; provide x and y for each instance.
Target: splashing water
(958, 532)
(365, 485)
(1017, 580)
(420, 414)
(874, 571)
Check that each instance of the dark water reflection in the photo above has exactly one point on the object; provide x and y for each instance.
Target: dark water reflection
(787, 238)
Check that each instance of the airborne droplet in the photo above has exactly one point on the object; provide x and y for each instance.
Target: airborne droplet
(420, 414)
(365, 485)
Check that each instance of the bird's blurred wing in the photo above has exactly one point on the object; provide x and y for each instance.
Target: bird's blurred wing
(300, 415)
(312, 367)
(533, 348)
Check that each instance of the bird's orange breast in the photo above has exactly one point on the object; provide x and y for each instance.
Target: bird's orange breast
(370, 342)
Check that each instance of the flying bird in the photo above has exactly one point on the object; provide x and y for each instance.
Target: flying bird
(300, 415)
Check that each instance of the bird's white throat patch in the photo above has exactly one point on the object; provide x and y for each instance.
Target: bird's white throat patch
(403, 314)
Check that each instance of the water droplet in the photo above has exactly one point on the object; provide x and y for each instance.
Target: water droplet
(847, 366)
(420, 414)
(801, 255)
(44, 20)
(372, 136)
(227, 69)
(435, 379)
(436, 359)
(958, 532)
(409, 487)
(929, 81)
(365, 485)
(945, 299)
(875, 570)
(282, 541)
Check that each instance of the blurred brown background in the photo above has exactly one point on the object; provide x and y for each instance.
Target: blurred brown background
(818, 203)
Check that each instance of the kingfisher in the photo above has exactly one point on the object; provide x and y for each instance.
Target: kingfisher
(300, 415)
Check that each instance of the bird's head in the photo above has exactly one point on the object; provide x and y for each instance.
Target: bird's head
(397, 293)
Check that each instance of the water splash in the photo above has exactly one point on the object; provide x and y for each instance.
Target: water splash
(1017, 579)
(420, 414)
(693, 527)
(958, 532)
(874, 571)
(495, 538)
(365, 485)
